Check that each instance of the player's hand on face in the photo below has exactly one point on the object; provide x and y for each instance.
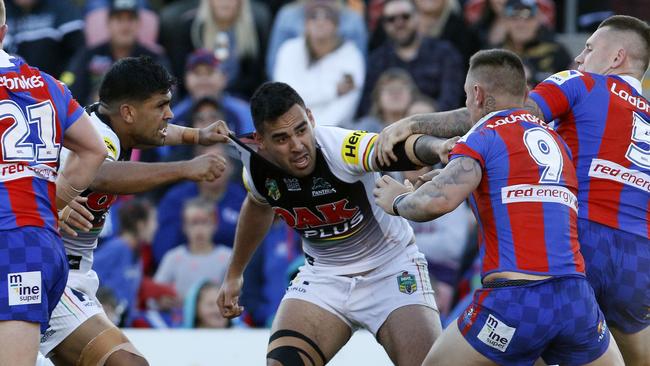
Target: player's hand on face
(206, 167)
(228, 298)
(426, 177)
(75, 215)
(214, 133)
(387, 139)
(386, 189)
(445, 149)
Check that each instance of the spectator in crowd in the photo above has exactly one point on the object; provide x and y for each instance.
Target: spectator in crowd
(235, 31)
(267, 274)
(87, 68)
(205, 77)
(435, 65)
(394, 92)
(45, 33)
(200, 258)
(117, 262)
(488, 19)
(534, 43)
(327, 71)
(442, 19)
(200, 308)
(96, 14)
(290, 21)
(225, 194)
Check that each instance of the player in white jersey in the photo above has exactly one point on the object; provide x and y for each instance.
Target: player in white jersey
(362, 268)
(133, 112)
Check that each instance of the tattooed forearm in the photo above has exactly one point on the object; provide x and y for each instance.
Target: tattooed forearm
(441, 124)
(444, 192)
(532, 107)
(426, 149)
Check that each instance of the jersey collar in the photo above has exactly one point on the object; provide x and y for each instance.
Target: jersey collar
(5, 59)
(634, 82)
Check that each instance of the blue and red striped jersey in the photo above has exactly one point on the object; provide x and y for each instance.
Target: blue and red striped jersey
(35, 111)
(526, 203)
(605, 120)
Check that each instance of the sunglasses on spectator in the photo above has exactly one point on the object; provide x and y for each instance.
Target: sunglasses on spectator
(393, 18)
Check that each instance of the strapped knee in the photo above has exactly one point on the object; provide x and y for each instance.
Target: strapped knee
(100, 348)
(291, 348)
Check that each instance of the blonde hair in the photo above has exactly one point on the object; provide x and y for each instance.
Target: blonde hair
(205, 29)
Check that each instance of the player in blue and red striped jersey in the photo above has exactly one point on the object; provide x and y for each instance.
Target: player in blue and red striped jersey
(535, 301)
(605, 120)
(37, 117)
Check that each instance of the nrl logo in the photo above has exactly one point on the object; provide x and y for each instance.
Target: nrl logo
(272, 187)
(406, 283)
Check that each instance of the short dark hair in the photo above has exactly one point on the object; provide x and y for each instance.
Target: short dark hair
(628, 23)
(134, 79)
(132, 212)
(270, 101)
(500, 70)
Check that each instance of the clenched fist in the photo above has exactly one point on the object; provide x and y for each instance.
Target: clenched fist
(206, 167)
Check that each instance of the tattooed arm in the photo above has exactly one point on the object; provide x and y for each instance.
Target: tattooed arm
(440, 124)
(434, 198)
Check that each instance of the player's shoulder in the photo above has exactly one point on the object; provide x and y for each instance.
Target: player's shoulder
(344, 145)
(562, 77)
(107, 134)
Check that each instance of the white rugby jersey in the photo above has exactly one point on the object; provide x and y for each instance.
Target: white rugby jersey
(79, 249)
(333, 209)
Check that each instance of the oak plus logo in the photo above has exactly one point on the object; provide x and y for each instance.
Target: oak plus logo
(24, 288)
(496, 334)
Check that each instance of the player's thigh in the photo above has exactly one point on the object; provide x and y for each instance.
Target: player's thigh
(408, 334)
(19, 343)
(451, 349)
(635, 347)
(304, 331)
(611, 357)
(96, 341)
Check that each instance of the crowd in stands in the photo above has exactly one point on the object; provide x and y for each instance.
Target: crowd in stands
(357, 64)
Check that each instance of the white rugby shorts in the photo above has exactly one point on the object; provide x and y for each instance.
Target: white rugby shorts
(367, 300)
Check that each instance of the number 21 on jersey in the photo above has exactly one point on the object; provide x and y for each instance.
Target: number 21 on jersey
(16, 144)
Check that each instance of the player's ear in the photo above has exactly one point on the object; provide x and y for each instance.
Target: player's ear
(258, 139)
(479, 95)
(620, 56)
(127, 113)
(3, 32)
(310, 117)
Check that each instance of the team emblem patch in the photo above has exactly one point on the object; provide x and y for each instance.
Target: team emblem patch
(273, 189)
(406, 283)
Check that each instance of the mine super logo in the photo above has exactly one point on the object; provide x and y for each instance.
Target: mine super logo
(24, 288)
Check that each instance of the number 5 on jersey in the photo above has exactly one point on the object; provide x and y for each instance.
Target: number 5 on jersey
(15, 140)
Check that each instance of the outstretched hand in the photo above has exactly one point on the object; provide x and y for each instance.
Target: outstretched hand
(217, 132)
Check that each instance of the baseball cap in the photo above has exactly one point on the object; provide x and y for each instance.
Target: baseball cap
(520, 8)
(201, 57)
(117, 6)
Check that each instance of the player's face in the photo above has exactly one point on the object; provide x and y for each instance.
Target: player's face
(289, 142)
(199, 225)
(151, 118)
(599, 52)
(208, 314)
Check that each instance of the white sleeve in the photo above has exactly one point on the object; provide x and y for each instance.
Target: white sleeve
(250, 187)
(349, 150)
(108, 136)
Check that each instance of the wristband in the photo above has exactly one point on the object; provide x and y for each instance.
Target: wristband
(397, 200)
(190, 136)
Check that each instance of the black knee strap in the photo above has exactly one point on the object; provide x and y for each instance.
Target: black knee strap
(290, 355)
